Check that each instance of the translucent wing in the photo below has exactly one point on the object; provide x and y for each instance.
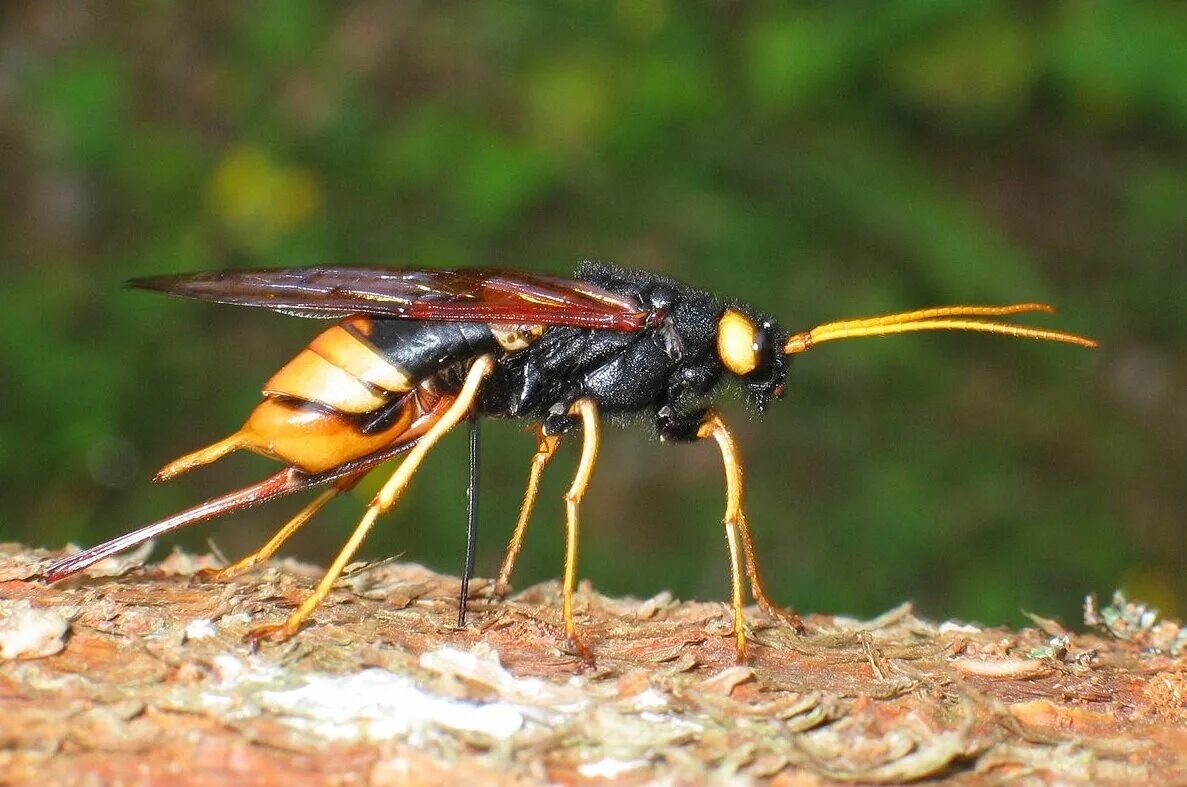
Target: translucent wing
(475, 295)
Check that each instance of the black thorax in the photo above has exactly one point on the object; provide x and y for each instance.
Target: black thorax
(671, 365)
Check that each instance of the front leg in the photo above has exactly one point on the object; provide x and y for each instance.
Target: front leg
(737, 529)
(586, 410)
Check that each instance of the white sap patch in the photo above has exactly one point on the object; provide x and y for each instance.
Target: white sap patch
(234, 619)
(649, 700)
(379, 705)
(200, 628)
(952, 627)
(232, 672)
(375, 704)
(481, 665)
(609, 769)
(28, 632)
(673, 724)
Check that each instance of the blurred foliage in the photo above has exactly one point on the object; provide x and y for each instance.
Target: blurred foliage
(819, 159)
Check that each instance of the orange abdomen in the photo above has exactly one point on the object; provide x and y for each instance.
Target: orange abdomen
(317, 408)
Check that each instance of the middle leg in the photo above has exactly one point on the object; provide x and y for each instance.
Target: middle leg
(545, 449)
(737, 530)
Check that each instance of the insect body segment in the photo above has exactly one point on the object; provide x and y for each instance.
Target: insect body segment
(360, 386)
(415, 352)
(348, 348)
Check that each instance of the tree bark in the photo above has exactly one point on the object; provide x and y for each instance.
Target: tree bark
(143, 676)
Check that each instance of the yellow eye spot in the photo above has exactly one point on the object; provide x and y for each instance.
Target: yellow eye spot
(737, 342)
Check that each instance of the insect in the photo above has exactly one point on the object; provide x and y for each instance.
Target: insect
(414, 353)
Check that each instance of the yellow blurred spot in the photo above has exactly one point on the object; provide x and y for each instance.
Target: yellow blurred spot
(976, 70)
(569, 105)
(258, 199)
(641, 19)
(1155, 587)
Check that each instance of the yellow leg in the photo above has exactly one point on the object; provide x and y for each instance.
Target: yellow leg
(292, 526)
(545, 449)
(385, 499)
(737, 529)
(591, 433)
(733, 520)
(758, 589)
(203, 456)
(737, 591)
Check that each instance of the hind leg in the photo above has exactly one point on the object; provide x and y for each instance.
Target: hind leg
(384, 500)
(301, 518)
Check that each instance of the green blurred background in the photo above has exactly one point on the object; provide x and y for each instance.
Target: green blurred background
(822, 161)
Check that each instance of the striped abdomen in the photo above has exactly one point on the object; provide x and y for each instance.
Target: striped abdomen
(360, 387)
(361, 364)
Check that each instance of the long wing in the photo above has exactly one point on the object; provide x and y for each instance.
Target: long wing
(474, 295)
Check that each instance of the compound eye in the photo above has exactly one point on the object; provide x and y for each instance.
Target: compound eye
(739, 343)
(762, 348)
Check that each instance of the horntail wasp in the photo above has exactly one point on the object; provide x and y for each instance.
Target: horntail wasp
(415, 352)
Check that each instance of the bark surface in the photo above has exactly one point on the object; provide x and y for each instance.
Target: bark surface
(140, 674)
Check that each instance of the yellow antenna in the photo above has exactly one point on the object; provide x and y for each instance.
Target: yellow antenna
(942, 318)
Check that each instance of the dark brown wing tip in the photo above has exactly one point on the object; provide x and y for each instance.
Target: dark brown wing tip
(215, 286)
(168, 283)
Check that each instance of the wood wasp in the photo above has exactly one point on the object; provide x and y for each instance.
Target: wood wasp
(414, 353)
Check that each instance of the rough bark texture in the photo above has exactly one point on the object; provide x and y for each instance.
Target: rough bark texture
(142, 676)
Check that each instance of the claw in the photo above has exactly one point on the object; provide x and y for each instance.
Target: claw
(215, 574)
(785, 615)
(573, 644)
(273, 632)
